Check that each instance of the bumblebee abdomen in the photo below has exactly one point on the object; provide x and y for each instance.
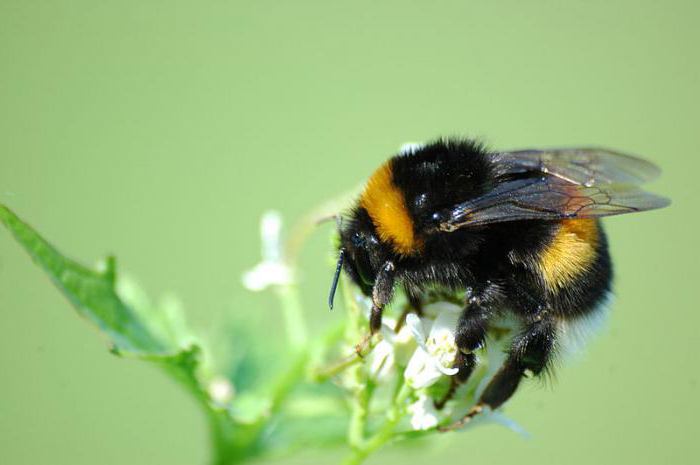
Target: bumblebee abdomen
(571, 252)
(575, 267)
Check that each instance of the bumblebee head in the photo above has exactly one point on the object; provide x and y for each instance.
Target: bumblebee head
(361, 252)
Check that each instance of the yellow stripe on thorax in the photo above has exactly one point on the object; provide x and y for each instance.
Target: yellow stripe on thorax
(386, 206)
(571, 252)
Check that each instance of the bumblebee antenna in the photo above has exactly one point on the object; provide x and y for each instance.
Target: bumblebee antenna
(336, 276)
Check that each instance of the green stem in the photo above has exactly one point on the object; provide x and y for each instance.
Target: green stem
(294, 323)
(360, 411)
(288, 380)
(386, 432)
(361, 351)
(323, 374)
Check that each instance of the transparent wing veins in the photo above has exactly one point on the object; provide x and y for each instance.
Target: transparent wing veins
(558, 184)
(586, 166)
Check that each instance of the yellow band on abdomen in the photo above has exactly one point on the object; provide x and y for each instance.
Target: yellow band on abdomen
(571, 252)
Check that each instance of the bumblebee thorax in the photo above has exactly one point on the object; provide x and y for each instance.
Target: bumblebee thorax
(386, 205)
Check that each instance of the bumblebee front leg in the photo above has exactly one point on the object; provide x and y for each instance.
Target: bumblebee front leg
(382, 292)
(531, 350)
(472, 326)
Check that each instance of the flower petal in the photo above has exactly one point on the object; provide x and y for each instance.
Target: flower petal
(220, 391)
(387, 329)
(446, 318)
(445, 370)
(267, 274)
(381, 360)
(414, 323)
(423, 413)
(270, 227)
(421, 370)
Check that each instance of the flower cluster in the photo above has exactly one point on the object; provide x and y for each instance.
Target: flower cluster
(423, 351)
(400, 374)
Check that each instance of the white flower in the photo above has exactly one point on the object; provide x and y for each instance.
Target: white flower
(389, 349)
(423, 413)
(381, 360)
(220, 391)
(436, 351)
(272, 271)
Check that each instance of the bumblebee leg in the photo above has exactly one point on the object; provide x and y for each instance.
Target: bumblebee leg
(382, 292)
(466, 364)
(531, 350)
(469, 336)
(471, 331)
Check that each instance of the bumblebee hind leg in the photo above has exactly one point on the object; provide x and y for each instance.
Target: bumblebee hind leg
(531, 350)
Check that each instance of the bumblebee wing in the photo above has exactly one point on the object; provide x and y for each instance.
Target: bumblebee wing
(586, 166)
(546, 198)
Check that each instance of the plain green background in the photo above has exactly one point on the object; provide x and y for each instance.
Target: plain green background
(160, 130)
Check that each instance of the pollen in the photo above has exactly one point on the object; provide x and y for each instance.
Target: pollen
(386, 206)
(441, 346)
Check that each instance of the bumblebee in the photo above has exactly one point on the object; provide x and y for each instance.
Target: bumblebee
(516, 232)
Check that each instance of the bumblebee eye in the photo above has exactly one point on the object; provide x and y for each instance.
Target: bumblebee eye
(357, 240)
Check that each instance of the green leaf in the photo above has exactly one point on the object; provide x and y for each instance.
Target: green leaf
(93, 295)
(293, 434)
